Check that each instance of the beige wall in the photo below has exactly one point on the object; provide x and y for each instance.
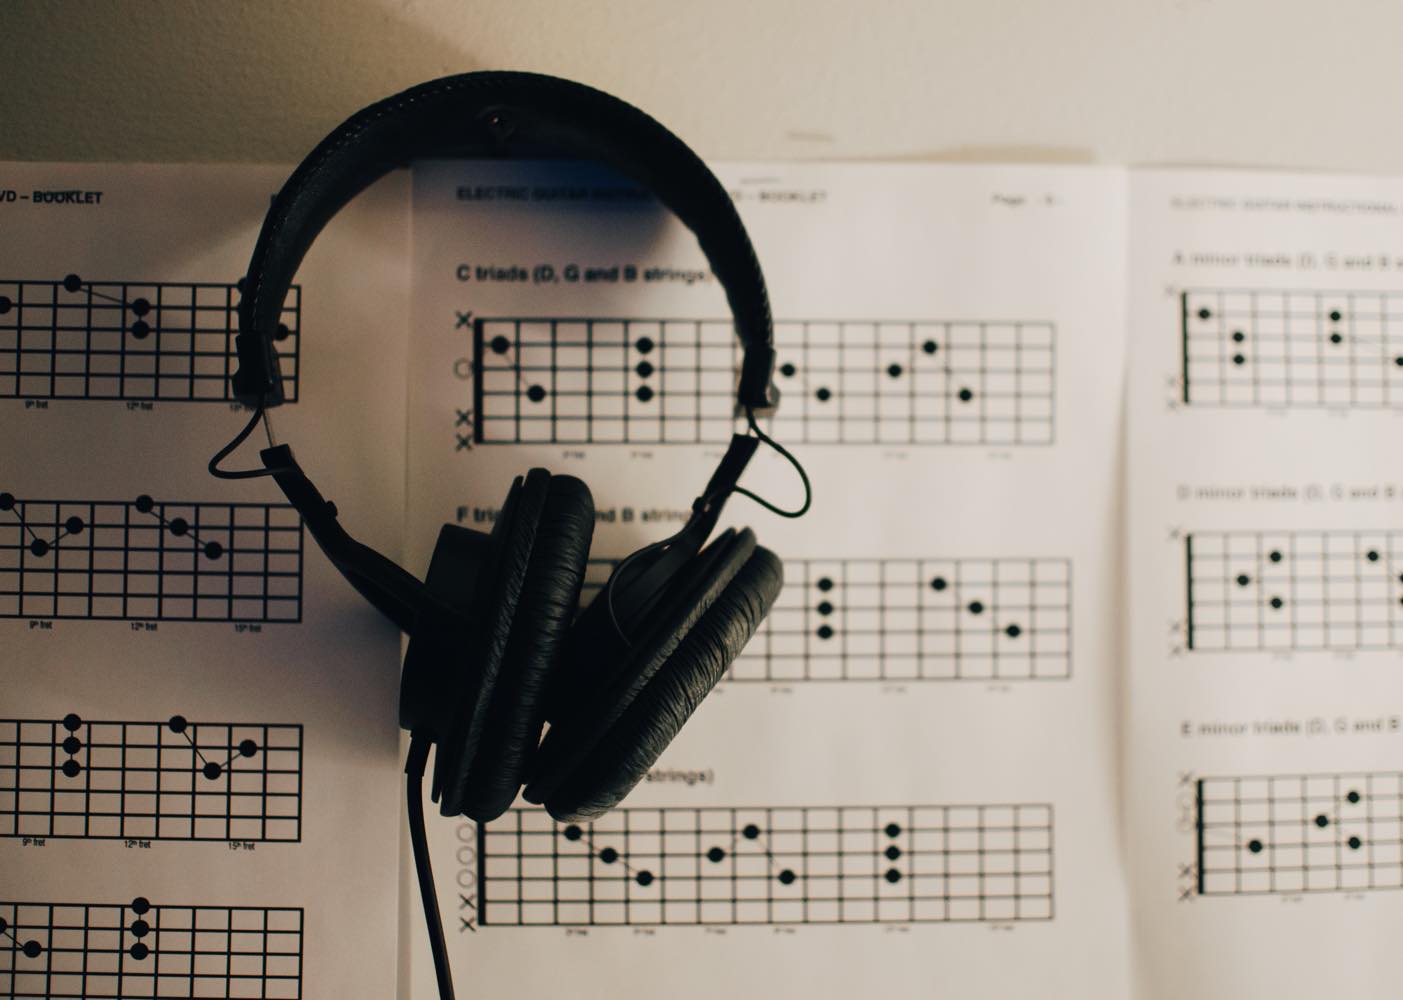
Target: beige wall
(1295, 83)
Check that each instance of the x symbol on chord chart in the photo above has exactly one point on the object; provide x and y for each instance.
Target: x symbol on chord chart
(464, 318)
(464, 442)
(464, 416)
(1186, 870)
(1186, 778)
(1187, 894)
(464, 903)
(467, 925)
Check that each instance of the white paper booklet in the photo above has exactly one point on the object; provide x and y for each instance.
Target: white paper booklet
(944, 767)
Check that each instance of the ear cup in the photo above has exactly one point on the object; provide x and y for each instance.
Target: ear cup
(591, 760)
(473, 676)
(547, 603)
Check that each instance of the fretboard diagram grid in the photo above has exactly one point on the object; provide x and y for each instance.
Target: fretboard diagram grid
(145, 951)
(1294, 590)
(1266, 348)
(824, 865)
(172, 780)
(132, 340)
(585, 381)
(909, 620)
(1300, 833)
(151, 560)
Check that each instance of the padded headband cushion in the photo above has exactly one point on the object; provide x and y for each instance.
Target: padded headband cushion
(549, 599)
(495, 114)
(626, 752)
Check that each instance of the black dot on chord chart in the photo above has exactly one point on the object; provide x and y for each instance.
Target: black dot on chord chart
(938, 583)
(141, 329)
(7, 501)
(644, 345)
(1352, 797)
(536, 393)
(179, 526)
(74, 525)
(750, 832)
(1322, 821)
(822, 394)
(71, 282)
(282, 332)
(893, 876)
(5, 304)
(239, 285)
(39, 547)
(1372, 555)
(247, 748)
(1243, 579)
(211, 770)
(71, 768)
(140, 905)
(825, 584)
(1398, 361)
(72, 722)
(786, 877)
(1334, 315)
(644, 368)
(1239, 359)
(177, 724)
(892, 830)
(1277, 602)
(140, 307)
(930, 347)
(1238, 336)
(1255, 846)
(71, 745)
(893, 852)
(644, 878)
(213, 550)
(139, 951)
(608, 855)
(144, 503)
(1354, 843)
(140, 928)
(573, 832)
(1335, 338)
(824, 632)
(500, 345)
(788, 370)
(32, 949)
(1013, 631)
(966, 395)
(1275, 555)
(825, 608)
(894, 370)
(644, 393)
(1205, 313)
(715, 855)
(976, 607)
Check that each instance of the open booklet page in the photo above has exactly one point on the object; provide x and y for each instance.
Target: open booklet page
(907, 784)
(199, 790)
(1265, 728)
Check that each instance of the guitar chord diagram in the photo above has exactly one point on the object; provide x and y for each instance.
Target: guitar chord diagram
(1300, 833)
(132, 340)
(172, 780)
(144, 950)
(1272, 348)
(587, 381)
(149, 559)
(908, 620)
(800, 865)
(1294, 590)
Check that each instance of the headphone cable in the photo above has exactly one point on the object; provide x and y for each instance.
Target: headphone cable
(414, 768)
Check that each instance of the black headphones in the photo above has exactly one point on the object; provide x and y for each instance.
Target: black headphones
(496, 648)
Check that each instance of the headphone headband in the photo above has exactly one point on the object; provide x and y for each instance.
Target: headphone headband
(498, 114)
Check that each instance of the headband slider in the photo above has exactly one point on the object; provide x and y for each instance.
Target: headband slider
(259, 380)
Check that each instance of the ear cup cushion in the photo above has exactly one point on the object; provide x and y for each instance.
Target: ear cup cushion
(630, 747)
(547, 604)
(493, 615)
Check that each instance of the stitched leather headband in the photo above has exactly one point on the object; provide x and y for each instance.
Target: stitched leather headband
(497, 114)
